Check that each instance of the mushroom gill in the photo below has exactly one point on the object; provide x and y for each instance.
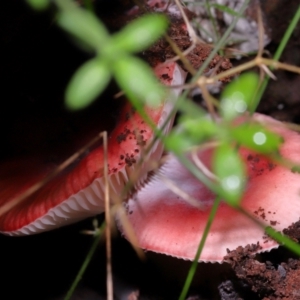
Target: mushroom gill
(78, 192)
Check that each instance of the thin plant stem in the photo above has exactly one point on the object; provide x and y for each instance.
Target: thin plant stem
(86, 262)
(277, 56)
(194, 265)
(189, 27)
(287, 35)
(37, 186)
(258, 61)
(277, 236)
(180, 55)
(109, 281)
(99, 231)
(261, 32)
(179, 192)
(213, 21)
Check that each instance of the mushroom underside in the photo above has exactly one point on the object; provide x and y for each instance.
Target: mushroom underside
(78, 192)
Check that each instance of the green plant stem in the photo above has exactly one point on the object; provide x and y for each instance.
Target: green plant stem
(277, 236)
(194, 265)
(85, 263)
(214, 23)
(277, 56)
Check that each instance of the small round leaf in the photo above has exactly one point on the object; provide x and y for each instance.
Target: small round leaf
(198, 129)
(38, 4)
(237, 97)
(87, 83)
(177, 142)
(257, 138)
(141, 33)
(84, 26)
(136, 78)
(229, 168)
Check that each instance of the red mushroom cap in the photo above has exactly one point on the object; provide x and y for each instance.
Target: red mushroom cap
(165, 223)
(78, 194)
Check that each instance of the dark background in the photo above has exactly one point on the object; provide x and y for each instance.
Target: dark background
(36, 62)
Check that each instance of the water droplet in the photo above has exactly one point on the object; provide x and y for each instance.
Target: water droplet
(240, 106)
(231, 182)
(280, 106)
(259, 138)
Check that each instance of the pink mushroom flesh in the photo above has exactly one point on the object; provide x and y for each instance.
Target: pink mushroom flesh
(164, 222)
(78, 193)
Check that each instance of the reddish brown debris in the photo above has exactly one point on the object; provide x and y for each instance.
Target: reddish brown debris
(293, 231)
(267, 280)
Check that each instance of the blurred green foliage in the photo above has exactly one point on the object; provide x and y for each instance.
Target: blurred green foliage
(114, 57)
(113, 54)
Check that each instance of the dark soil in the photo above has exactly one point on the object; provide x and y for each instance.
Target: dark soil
(36, 63)
(267, 279)
(162, 50)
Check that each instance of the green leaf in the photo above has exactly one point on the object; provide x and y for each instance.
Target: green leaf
(237, 97)
(186, 106)
(255, 137)
(229, 168)
(38, 4)
(87, 83)
(141, 33)
(177, 142)
(84, 26)
(285, 240)
(136, 78)
(198, 129)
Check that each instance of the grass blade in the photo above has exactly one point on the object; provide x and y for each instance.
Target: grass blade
(194, 265)
(277, 56)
